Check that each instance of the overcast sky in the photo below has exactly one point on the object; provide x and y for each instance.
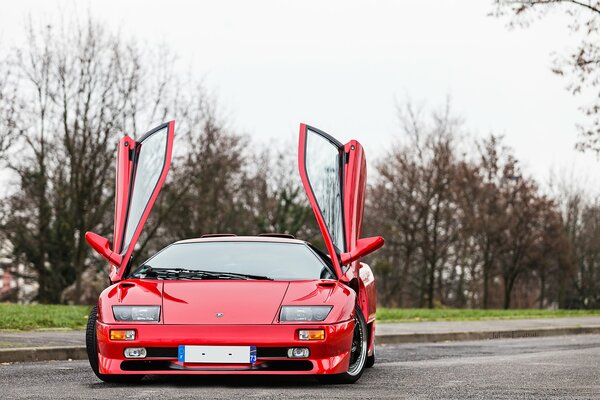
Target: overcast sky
(343, 65)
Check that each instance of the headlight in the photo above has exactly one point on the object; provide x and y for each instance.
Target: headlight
(136, 313)
(304, 313)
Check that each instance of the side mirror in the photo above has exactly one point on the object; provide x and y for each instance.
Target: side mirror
(363, 247)
(102, 246)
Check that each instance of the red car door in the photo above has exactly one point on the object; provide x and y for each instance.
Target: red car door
(142, 168)
(334, 176)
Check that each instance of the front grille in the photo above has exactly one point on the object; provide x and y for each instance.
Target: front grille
(145, 365)
(261, 352)
(161, 352)
(271, 352)
(272, 365)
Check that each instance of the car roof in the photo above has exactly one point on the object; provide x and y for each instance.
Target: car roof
(271, 239)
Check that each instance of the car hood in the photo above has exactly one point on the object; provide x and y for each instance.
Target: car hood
(222, 302)
(250, 302)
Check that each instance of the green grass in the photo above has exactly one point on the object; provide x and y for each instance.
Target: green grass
(42, 316)
(448, 314)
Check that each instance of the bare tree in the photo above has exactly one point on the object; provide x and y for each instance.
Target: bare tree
(582, 66)
(523, 209)
(416, 205)
(472, 253)
(462, 228)
(277, 196)
(9, 108)
(551, 259)
(79, 86)
(203, 194)
(581, 218)
(391, 209)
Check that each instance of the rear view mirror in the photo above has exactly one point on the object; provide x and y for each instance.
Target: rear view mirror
(102, 246)
(363, 247)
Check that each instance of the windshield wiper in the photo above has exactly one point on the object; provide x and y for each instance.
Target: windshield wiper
(233, 275)
(162, 273)
(186, 273)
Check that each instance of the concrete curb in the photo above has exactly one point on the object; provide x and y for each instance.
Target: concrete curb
(28, 354)
(427, 337)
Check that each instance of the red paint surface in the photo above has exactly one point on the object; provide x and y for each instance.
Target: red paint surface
(250, 308)
(327, 356)
(188, 317)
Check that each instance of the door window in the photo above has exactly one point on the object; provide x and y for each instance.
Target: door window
(323, 163)
(151, 153)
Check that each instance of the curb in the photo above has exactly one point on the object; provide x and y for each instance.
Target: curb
(29, 354)
(483, 335)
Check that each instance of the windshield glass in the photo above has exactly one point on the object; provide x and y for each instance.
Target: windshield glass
(235, 260)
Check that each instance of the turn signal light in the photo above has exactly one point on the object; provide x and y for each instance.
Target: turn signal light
(311, 334)
(122, 334)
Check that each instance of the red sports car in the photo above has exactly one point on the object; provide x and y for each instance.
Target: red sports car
(225, 304)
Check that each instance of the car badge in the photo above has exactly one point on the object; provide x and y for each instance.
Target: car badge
(219, 314)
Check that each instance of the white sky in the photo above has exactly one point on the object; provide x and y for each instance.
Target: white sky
(343, 65)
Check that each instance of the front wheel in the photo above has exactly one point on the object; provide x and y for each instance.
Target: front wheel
(91, 345)
(358, 353)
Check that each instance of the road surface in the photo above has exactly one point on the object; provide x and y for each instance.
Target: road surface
(549, 367)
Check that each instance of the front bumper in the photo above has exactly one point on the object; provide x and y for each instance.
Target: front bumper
(329, 356)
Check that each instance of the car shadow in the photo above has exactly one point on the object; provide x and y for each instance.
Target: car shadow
(238, 381)
(230, 381)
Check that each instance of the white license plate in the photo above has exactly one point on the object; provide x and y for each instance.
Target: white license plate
(217, 354)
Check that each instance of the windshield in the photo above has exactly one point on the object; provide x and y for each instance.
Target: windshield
(235, 260)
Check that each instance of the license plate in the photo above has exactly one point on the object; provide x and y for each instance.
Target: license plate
(217, 354)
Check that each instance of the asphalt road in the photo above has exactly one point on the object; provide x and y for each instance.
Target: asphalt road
(550, 367)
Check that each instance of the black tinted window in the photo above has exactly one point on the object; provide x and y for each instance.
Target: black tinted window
(278, 261)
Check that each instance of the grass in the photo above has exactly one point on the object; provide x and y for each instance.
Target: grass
(449, 314)
(42, 316)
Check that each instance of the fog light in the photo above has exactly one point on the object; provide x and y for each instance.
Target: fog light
(313, 334)
(135, 352)
(121, 334)
(298, 352)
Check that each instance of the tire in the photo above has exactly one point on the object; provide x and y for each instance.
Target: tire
(91, 345)
(358, 357)
(371, 358)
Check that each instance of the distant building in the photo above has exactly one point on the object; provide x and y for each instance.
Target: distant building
(13, 286)
(8, 285)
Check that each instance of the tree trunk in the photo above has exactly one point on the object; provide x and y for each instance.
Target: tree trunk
(542, 288)
(508, 287)
(422, 285)
(460, 296)
(431, 286)
(404, 276)
(485, 286)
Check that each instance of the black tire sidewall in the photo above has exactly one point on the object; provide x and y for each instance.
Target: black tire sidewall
(91, 344)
